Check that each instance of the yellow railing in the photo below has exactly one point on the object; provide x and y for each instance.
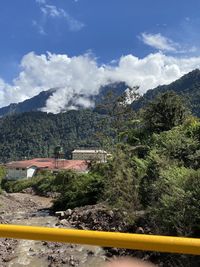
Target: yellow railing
(105, 239)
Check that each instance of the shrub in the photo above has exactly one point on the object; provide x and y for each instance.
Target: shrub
(2, 175)
(78, 189)
(177, 210)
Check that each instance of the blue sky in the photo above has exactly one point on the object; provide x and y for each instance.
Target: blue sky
(109, 28)
(106, 30)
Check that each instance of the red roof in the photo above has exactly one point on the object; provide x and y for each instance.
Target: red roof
(50, 163)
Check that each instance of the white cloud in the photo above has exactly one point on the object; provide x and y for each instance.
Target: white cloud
(80, 77)
(40, 1)
(39, 27)
(53, 12)
(159, 42)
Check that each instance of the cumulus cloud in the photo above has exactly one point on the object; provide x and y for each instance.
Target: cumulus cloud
(79, 78)
(159, 42)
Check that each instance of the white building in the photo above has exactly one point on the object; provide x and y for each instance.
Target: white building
(20, 173)
(89, 154)
(15, 173)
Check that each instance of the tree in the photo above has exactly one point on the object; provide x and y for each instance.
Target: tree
(2, 175)
(122, 177)
(177, 210)
(118, 108)
(165, 112)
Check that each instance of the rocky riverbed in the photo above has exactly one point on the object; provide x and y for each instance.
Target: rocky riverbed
(28, 209)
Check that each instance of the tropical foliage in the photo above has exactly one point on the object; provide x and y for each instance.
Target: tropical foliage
(154, 168)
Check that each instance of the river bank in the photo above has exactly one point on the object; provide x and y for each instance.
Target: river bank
(27, 209)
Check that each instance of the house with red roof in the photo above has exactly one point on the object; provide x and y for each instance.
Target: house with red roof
(28, 168)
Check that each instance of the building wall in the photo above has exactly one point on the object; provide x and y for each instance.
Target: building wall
(89, 156)
(20, 173)
(31, 171)
(16, 173)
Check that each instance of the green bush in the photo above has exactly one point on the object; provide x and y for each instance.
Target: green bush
(178, 145)
(165, 112)
(177, 210)
(77, 189)
(122, 176)
(17, 186)
(41, 184)
(2, 175)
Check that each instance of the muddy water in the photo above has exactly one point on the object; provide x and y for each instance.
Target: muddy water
(36, 254)
(27, 252)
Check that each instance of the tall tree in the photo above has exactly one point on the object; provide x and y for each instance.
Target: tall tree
(165, 112)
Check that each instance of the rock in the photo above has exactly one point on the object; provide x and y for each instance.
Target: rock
(68, 213)
(139, 230)
(9, 258)
(90, 253)
(4, 193)
(111, 213)
(73, 262)
(60, 214)
(64, 222)
(95, 217)
(50, 258)
(52, 194)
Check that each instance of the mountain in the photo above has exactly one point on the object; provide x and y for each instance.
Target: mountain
(35, 134)
(117, 89)
(37, 102)
(33, 104)
(187, 86)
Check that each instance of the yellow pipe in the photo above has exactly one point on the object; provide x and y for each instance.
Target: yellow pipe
(105, 239)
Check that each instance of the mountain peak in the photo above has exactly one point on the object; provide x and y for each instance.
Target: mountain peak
(38, 102)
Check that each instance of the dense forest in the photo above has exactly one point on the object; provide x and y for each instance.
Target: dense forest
(154, 169)
(36, 134)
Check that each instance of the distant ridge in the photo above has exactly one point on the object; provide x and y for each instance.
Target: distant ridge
(188, 86)
(33, 104)
(38, 102)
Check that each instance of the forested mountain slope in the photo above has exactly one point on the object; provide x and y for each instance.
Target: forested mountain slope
(35, 134)
(187, 86)
(33, 104)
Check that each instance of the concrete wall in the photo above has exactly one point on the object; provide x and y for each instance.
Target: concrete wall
(20, 173)
(15, 174)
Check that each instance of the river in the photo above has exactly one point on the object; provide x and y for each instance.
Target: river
(44, 254)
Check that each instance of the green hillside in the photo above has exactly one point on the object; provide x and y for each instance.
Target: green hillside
(36, 134)
(188, 87)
